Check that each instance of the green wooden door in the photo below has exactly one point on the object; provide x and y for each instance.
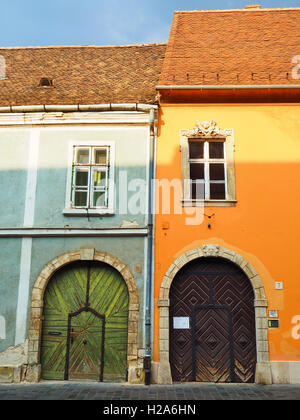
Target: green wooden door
(85, 328)
(86, 351)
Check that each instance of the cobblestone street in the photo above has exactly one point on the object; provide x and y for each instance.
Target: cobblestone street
(109, 392)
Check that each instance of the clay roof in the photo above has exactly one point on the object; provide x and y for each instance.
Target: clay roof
(232, 47)
(81, 75)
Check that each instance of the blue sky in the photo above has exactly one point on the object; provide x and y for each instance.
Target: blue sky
(101, 22)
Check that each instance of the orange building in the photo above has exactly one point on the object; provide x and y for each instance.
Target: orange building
(227, 283)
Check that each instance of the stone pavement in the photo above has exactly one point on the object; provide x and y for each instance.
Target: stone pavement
(124, 392)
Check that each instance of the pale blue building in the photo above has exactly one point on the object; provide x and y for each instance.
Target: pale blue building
(77, 138)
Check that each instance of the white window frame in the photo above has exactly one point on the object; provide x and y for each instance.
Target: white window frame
(90, 210)
(206, 161)
(226, 136)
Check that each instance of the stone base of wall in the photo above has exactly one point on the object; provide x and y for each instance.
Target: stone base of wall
(154, 372)
(18, 374)
(10, 374)
(164, 376)
(31, 373)
(285, 372)
(12, 364)
(15, 356)
(136, 376)
(263, 374)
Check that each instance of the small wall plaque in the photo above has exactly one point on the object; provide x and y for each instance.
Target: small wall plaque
(279, 285)
(181, 323)
(273, 314)
(273, 323)
(137, 268)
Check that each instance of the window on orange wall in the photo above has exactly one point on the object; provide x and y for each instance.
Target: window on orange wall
(207, 170)
(207, 167)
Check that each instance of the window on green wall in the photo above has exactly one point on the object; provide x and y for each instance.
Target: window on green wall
(90, 177)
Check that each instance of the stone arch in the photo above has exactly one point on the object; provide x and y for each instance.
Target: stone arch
(263, 370)
(37, 304)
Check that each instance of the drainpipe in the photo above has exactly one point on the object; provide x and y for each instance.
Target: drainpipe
(147, 360)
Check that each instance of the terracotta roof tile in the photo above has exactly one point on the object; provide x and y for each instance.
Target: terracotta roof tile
(81, 75)
(232, 47)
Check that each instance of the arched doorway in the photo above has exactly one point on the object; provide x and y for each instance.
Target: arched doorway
(212, 323)
(85, 326)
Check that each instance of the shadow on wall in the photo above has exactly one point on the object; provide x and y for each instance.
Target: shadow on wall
(51, 198)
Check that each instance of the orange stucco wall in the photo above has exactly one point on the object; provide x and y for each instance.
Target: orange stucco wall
(264, 226)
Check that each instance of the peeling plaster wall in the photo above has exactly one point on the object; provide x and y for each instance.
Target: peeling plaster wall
(15, 356)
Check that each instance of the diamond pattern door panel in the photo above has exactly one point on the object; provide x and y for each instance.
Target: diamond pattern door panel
(220, 345)
(212, 345)
(184, 295)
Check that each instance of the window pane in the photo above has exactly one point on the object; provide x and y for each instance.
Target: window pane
(80, 199)
(196, 150)
(217, 172)
(196, 171)
(83, 156)
(217, 191)
(99, 199)
(100, 156)
(198, 190)
(82, 178)
(216, 150)
(99, 178)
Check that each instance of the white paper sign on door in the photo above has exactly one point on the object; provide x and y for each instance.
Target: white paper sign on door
(181, 323)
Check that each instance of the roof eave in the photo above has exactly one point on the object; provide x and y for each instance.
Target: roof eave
(224, 87)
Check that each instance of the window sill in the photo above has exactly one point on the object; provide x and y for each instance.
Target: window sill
(208, 203)
(88, 212)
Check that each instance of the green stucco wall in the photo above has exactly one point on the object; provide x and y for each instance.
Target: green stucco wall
(131, 155)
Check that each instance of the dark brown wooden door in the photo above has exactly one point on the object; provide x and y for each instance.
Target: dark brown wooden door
(218, 343)
(212, 343)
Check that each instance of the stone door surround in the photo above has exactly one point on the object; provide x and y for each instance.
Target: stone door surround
(263, 370)
(37, 303)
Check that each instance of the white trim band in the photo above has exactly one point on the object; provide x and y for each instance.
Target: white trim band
(44, 232)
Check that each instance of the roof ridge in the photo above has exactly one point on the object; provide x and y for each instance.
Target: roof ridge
(238, 10)
(83, 46)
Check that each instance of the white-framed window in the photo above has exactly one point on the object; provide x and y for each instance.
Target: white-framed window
(90, 177)
(207, 169)
(91, 180)
(207, 165)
